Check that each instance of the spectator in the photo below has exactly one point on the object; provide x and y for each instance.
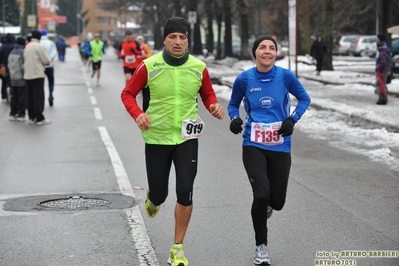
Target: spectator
(49, 69)
(36, 58)
(3, 79)
(383, 69)
(4, 53)
(61, 48)
(17, 81)
(317, 51)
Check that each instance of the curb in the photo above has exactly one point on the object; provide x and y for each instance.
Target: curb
(388, 127)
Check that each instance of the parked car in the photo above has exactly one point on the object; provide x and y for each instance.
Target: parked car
(364, 46)
(344, 43)
(395, 47)
(395, 55)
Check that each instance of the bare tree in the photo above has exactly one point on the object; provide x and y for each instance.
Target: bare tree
(219, 21)
(209, 27)
(228, 37)
(328, 33)
(304, 28)
(243, 10)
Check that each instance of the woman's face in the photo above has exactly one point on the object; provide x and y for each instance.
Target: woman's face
(266, 54)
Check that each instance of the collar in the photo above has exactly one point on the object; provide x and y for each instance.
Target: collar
(173, 60)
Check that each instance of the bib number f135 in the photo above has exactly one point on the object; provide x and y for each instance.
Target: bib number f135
(266, 134)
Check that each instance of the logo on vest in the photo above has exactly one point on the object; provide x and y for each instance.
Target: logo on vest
(158, 64)
(255, 89)
(266, 102)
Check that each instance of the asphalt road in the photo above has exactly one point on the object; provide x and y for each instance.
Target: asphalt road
(337, 201)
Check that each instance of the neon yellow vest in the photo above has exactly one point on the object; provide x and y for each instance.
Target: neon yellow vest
(96, 50)
(173, 98)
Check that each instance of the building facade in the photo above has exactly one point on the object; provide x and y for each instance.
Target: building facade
(109, 24)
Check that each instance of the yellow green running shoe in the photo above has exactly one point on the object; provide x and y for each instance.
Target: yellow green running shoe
(150, 208)
(176, 256)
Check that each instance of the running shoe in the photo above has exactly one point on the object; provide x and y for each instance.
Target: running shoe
(261, 256)
(150, 208)
(176, 256)
(269, 211)
(43, 122)
(12, 118)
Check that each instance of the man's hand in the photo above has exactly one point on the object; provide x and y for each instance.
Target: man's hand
(143, 121)
(217, 110)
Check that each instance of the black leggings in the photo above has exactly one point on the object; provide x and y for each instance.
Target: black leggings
(159, 160)
(268, 173)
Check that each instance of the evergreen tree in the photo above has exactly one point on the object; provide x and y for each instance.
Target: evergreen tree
(69, 9)
(11, 13)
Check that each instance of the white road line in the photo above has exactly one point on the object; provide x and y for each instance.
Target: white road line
(93, 100)
(90, 90)
(138, 230)
(97, 113)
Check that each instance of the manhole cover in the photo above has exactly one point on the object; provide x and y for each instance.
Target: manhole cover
(75, 202)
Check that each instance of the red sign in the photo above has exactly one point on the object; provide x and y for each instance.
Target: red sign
(58, 19)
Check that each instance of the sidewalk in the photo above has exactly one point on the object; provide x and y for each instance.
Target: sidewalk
(348, 90)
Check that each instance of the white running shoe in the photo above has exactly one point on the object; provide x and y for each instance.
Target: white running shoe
(261, 256)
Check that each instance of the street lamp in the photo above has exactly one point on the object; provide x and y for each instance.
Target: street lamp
(78, 8)
(4, 17)
(83, 25)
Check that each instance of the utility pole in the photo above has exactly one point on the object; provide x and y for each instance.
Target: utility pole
(4, 16)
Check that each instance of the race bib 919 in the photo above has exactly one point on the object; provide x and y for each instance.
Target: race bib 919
(266, 134)
(192, 129)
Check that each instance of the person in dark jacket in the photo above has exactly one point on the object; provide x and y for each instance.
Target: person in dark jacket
(17, 81)
(5, 50)
(61, 48)
(383, 66)
(317, 51)
(3, 79)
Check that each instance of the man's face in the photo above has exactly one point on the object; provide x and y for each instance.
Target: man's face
(176, 43)
(129, 37)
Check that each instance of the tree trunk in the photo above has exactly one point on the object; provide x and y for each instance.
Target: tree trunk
(219, 19)
(209, 28)
(386, 18)
(243, 10)
(328, 33)
(228, 38)
(304, 32)
(197, 48)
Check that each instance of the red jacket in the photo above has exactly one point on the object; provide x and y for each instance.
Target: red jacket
(129, 52)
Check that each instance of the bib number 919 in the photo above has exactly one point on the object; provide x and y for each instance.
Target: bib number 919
(192, 129)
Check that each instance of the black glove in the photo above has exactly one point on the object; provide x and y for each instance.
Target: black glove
(287, 127)
(122, 57)
(235, 125)
(132, 49)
